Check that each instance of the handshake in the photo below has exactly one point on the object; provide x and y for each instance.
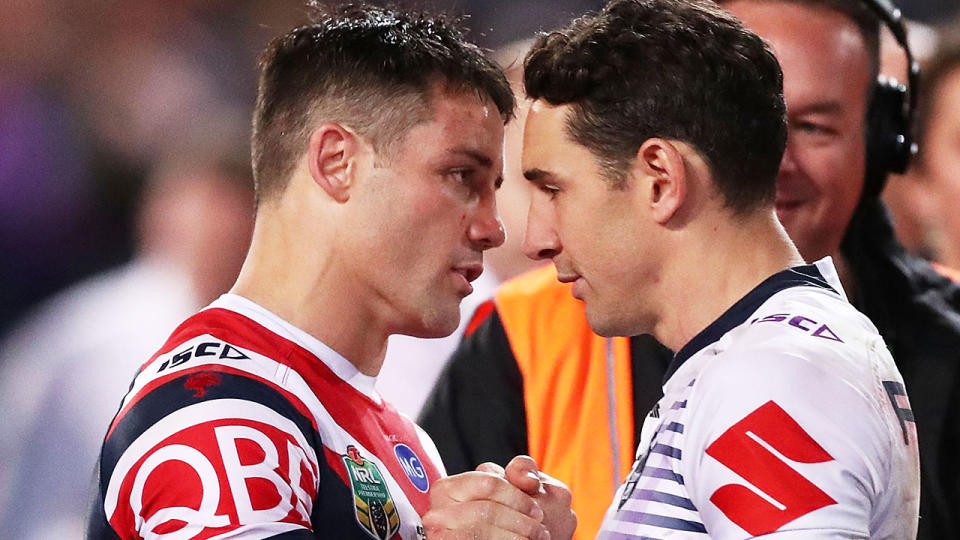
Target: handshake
(496, 503)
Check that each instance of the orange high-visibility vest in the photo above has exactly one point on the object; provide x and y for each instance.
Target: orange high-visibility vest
(577, 391)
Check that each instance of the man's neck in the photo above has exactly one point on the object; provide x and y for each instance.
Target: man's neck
(312, 295)
(719, 268)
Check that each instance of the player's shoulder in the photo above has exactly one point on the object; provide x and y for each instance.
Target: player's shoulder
(812, 327)
(211, 409)
(806, 347)
(808, 376)
(214, 340)
(206, 379)
(199, 438)
(215, 367)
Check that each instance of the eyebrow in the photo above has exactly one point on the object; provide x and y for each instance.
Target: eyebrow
(536, 175)
(821, 107)
(481, 158)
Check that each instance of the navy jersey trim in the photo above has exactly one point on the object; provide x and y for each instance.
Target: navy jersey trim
(664, 522)
(798, 276)
(97, 526)
(665, 498)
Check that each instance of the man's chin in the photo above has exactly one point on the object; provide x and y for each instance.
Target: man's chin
(605, 326)
(434, 333)
(436, 325)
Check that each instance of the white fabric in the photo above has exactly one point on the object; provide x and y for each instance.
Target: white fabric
(826, 370)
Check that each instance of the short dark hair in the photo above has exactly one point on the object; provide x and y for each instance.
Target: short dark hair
(370, 68)
(677, 69)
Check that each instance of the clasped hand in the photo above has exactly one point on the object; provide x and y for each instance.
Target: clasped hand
(518, 502)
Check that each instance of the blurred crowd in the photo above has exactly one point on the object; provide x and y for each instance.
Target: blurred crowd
(93, 95)
(126, 201)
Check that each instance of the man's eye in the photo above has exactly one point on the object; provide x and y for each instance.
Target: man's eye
(811, 128)
(549, 190)
(460, 175)
(466, 181)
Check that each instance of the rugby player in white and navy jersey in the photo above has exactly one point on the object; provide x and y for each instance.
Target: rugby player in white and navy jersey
(653, 143)
(376, 152)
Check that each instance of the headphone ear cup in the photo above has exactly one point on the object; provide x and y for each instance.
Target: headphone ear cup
(888, 140)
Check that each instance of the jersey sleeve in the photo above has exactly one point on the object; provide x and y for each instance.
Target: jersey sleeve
(208, 453)
(476, 411)
(783, 447)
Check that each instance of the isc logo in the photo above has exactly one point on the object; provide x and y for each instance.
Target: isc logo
(800, 322)
(209, 348)
(412, 467)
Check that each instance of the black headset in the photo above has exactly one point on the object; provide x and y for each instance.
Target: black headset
(890, 143)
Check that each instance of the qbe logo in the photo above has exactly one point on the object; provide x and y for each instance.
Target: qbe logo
(220, 464)
(412, 467)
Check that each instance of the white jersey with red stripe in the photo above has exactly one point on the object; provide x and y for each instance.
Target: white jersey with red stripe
(785, 418)
(244, 426)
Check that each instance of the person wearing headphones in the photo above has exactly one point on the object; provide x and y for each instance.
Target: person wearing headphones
(933, 174)
(575, 401)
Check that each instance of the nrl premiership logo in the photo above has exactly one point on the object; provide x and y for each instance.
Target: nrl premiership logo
(373, 505)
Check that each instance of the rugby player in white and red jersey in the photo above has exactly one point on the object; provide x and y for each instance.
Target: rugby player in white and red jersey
(376, 152)
(653, 143)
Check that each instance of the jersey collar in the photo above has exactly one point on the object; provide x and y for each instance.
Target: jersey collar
(337, 363)
(821, 274)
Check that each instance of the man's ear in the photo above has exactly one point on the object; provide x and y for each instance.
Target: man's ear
(331, 156)
(662, 164)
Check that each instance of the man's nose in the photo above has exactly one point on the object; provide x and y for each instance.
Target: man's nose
(541, 240)
(486, 231)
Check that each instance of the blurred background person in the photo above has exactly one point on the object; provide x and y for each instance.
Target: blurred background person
(927, 196)
(513, 197)
(90, 94)
(907, 201)
(65, 368)
(937, 167)
(46, 204)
